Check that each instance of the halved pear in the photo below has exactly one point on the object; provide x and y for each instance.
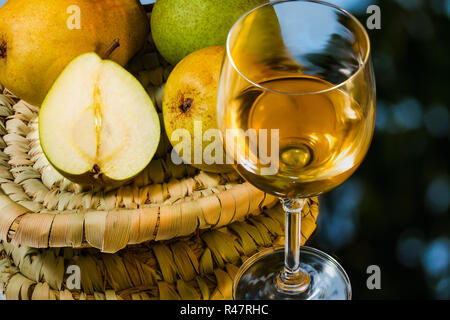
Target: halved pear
(97, 124)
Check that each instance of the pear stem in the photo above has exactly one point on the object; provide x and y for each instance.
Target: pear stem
(97, 172)
(114, 45)
(186, 106)
(148, 7)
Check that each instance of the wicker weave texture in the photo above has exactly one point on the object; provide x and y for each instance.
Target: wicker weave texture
(197, 267)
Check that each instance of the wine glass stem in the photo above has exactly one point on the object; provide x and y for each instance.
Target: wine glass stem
(293, 280)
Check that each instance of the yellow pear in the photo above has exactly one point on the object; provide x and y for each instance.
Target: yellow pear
(190, 102)
(38, 38)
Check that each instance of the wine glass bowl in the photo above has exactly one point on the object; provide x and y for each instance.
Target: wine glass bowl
(296, 106)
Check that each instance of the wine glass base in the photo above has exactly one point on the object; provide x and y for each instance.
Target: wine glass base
(258, 276)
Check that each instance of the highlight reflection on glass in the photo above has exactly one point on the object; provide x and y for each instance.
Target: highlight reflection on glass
(299, 70)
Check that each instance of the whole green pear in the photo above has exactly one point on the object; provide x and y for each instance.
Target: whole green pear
(180, 27)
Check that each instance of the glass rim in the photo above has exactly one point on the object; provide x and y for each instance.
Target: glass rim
(273, 3)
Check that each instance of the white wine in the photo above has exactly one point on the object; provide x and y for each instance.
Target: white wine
(323, 136)
(296, 107)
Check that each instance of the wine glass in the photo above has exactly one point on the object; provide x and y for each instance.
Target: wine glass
(296, 108)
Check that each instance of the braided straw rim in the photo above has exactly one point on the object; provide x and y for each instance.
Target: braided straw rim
(39, 208)
(197, 267)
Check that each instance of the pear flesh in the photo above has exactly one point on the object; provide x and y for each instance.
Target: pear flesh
(97, 125)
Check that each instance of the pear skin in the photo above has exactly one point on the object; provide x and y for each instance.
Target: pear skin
(190, 95)
(180, 27)
(38, 38)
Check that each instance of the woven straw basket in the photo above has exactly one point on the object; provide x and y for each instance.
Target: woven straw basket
(183, 232)
(199, 267)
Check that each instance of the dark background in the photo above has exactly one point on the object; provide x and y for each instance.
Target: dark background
(393, 212)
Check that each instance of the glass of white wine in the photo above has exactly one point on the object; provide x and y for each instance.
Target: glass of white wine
(297, 92)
